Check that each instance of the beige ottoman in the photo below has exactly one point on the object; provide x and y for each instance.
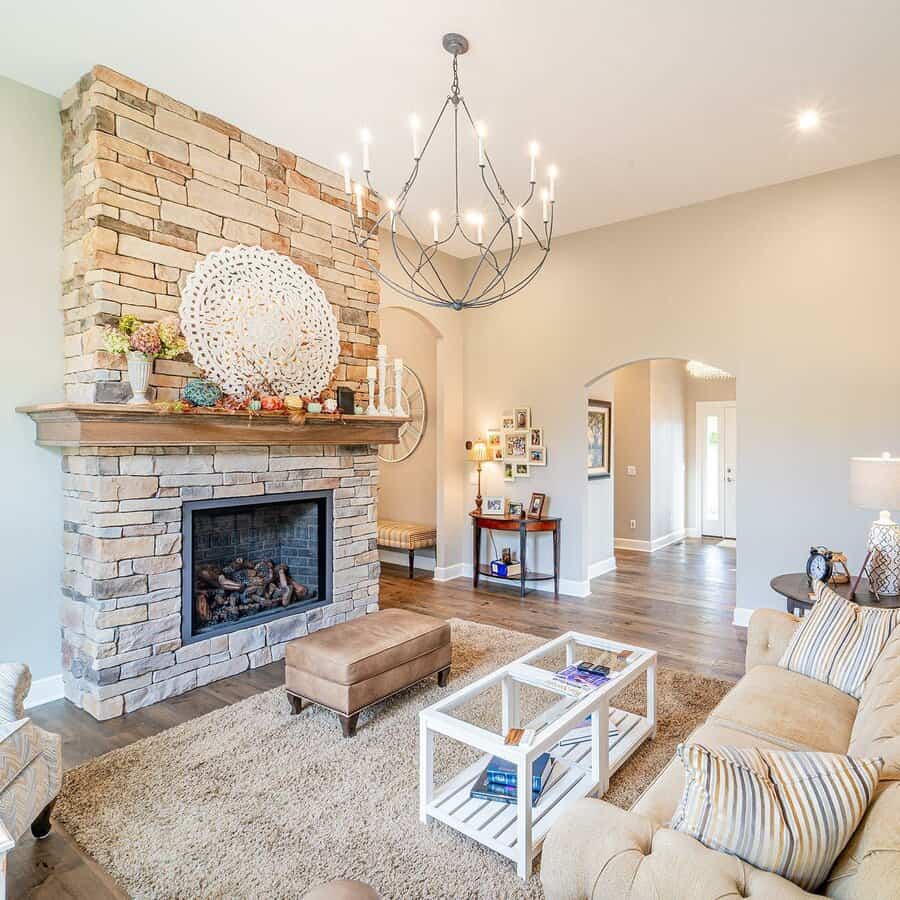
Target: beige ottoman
(341, 890)
(354, 664)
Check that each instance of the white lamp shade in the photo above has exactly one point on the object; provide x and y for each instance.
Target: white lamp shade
(875, 482)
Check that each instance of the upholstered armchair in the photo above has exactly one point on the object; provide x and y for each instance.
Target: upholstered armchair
(30, 766)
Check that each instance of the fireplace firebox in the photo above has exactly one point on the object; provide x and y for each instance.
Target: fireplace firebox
(249, 560)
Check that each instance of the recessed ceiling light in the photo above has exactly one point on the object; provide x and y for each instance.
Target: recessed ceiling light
(808, 120)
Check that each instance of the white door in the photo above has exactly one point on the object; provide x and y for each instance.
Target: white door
(717, 462)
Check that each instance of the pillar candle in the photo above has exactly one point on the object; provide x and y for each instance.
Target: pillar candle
(398, 388)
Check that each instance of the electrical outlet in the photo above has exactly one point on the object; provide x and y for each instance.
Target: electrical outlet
(632, 524)
(631, 470)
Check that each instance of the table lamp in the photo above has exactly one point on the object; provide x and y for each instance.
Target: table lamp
(478, 453)
(875, 484)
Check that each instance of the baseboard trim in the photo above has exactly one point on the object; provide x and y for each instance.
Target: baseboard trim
(45, 690)
(673, 537)
(401, 558)
(630, 544)
(601, 567)
(692, 532)
(742, 616)
(448, 573)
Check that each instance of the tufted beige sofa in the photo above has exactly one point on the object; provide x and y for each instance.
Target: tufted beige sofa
(601, 852)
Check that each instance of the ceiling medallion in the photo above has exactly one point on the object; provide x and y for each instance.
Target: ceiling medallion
(495, 231)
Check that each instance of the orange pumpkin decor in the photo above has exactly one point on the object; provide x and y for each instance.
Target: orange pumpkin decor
(272, 403)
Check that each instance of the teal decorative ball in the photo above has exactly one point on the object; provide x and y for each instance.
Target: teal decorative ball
(202, 393)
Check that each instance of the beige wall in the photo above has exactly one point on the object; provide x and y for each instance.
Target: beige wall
(31, 371)
(667, 447)
(792, 288)
(631, 433)
(696, 390)
(408, 489)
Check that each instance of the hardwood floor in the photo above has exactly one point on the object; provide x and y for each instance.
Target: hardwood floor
(679, 600)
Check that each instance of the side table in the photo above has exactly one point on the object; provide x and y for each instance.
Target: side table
(524, 527)
(794, 587)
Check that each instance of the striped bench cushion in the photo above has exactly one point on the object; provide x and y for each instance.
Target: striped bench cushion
(782, 811)
(406, 535)
(838, 641)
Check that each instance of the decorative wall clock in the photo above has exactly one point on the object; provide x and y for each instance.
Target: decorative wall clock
(412, 399)
(253, 318)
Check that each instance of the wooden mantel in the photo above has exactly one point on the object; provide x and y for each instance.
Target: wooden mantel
(126, 425)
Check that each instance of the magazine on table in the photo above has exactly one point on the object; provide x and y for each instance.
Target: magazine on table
(582, 732)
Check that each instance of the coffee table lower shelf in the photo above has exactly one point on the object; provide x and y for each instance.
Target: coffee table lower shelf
(493, 823)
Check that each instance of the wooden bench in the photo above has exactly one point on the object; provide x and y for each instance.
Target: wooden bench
(409, 536)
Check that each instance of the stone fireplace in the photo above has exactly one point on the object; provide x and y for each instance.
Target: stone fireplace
(247, 561)
(152, 186)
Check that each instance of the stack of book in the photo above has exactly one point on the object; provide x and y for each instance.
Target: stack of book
(577, 683)
(498, 780)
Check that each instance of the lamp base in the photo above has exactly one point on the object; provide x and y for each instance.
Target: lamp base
(884, 564)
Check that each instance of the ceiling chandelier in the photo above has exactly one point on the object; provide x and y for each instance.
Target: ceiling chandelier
(495, 237)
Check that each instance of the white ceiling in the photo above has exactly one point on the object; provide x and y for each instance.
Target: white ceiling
(644, 105)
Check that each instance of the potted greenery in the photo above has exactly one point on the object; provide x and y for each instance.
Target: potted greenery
(142, 342)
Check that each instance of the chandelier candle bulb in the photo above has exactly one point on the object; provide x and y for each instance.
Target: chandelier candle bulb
(366, 138)
(552, 173)
(533, 151)
(435, 222)
(520, 214)
(398, 387)
(480, 225)
(545, 202)
(345, 165)
(359, 205)
(392, 208)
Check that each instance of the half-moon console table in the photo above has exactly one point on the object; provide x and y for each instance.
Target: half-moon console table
(524, 527)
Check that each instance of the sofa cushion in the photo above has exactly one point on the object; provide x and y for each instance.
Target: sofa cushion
(782, 811)
(658, 802)
(362, 648)
(839, 641)
(790, 710)
(876, 730)
(869, 867)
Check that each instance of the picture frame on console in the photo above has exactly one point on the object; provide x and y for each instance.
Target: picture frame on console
(494, 506)
(536, 505)
(599, 438)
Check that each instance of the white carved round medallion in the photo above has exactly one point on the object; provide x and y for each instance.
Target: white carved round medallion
(253, 318)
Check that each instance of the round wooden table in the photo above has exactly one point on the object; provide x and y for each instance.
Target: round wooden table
(795, 588)
(524, 527)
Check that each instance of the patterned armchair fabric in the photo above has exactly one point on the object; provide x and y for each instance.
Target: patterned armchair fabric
(30, 763)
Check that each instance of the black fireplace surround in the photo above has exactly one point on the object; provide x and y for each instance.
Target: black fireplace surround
(249, 560)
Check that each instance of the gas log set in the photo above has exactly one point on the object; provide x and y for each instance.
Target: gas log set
(243, 588)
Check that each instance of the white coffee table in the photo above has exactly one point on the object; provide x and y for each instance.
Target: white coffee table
(518, 830)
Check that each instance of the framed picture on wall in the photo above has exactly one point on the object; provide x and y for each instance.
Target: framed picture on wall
(537, 456)
(515, 445)
(495, 449)
(522, 416)
(599, 438)
(522, 470)
(536, 437)
(507, 420)
(509, 471)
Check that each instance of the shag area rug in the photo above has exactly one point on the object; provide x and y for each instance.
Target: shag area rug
(251, 802)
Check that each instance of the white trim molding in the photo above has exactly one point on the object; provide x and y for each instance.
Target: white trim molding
(45, 690)
(673, 537)
(401, 558)
(742, 616)
(568, 586)
(601, 567)
(448, 573)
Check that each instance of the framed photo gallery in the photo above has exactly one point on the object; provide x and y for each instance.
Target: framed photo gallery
(517, 443)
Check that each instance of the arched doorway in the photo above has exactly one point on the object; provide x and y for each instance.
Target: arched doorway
(671, 477)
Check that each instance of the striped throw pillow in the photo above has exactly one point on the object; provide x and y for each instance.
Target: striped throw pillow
(782, 811)
(838, 641)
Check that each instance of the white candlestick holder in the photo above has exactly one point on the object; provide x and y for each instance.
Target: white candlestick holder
(382, 383)
(398, 388)
(372, 409)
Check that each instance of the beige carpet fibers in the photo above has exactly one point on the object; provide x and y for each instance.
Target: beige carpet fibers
(251, 802)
